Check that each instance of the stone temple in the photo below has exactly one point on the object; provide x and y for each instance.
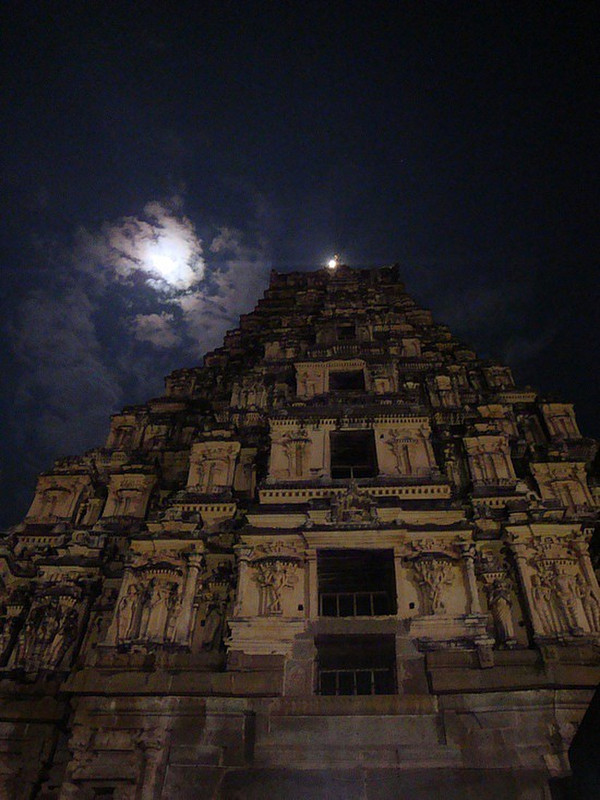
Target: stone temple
(345, 558)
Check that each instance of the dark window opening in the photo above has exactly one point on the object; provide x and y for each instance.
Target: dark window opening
(356, 665)
(352, 381)
(353, 454)
(346, 333)
(356, 583)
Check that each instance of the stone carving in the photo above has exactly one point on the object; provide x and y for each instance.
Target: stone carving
(557, 599)
(212, 634)
(500, 605)
(250, 392)
(542, 604)
(296, 449)
(433, 576)
(49, 631)
(560, 419)
(489, 460)
(212, 466)
(148, 611)
(566, 600)
(589, 601)
(353, 507)
(565, 483)
(273, 577)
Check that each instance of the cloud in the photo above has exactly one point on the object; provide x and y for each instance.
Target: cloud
(235, 280)
(156, 329)
(161, 245)
(520, 349)
(66, 386)
(118, 310)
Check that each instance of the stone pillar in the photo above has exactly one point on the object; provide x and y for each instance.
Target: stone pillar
(585, 563)
(312, 580)
(468, 551)
(398, 571)
(243, 554)
(111, 635)
(153, 752)
(195, 562)
(518, 549)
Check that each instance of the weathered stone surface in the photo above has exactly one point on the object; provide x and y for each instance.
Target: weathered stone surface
(343, 558)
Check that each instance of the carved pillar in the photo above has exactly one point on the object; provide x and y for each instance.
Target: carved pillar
(312, 579)
(243, 554)
(467, 551)
(153, 752)
(519, 549)
(184, 623)
(581, 549)
(112, 633)
(398, 572)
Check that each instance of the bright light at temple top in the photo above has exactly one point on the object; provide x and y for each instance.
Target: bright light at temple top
(333, 262)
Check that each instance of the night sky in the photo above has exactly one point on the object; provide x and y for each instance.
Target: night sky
(157, 165)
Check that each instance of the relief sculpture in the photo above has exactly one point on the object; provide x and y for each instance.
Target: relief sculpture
(433, 576)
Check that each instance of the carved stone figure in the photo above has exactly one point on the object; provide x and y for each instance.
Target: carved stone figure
(273, 577)
(589, 602)
(542, 597)
(213, 625)
(566, 601)
(127, 614)
(173, 610)
(63, 638)
(433, 575)
(501, 608)
(353, 506)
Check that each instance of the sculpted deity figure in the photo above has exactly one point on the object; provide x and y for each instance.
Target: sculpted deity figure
(211, 635)
(48, 625)
(146, 603)
(433, 575)
(589, 601)
(566, 601)
(127, 614)
(64, 637)
(173, 608)
(272, 577)
(542, 596)
(501, 609)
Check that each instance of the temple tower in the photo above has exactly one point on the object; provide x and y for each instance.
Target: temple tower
(344, 557)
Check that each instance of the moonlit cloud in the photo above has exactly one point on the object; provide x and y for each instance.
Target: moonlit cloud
(127, 303)
(156, 329)
(161, 244)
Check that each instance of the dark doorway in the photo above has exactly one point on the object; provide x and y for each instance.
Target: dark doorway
(356, 665)
(356, 583)
(353, 454)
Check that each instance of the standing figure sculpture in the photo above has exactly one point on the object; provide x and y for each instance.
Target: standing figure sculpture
(501, 609)
(127, 612)
(589, 601)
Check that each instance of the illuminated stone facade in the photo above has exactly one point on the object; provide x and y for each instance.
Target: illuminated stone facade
(344, 558)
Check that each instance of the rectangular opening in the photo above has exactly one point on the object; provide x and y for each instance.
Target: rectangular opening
(356, 583)
(356, 665)
(346, 333)
(353, 454)
(350, 381)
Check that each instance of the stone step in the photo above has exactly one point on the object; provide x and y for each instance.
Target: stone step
(277, 754)
(356, 731)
